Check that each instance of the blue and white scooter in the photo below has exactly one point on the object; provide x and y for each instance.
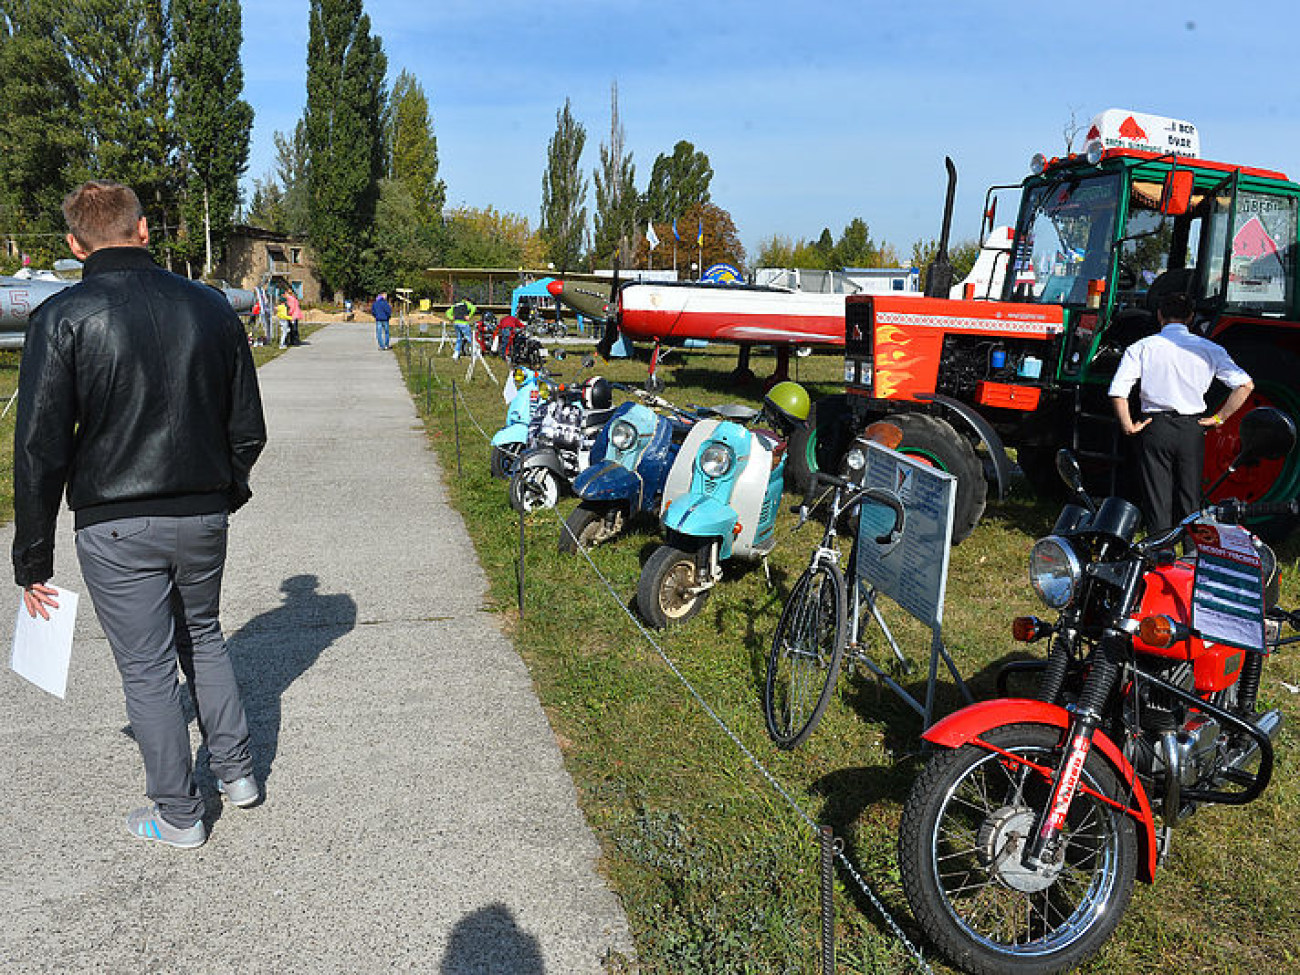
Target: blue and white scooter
(629, 466)
(721, 501)
(521, 393)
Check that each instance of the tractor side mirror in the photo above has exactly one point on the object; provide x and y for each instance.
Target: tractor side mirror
(1176, 197)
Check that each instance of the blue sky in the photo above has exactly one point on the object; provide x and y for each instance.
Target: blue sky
(812, 113)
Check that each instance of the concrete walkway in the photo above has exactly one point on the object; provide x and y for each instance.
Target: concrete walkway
(418, 816)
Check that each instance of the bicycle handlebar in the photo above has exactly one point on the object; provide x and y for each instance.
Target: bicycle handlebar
(860, 494)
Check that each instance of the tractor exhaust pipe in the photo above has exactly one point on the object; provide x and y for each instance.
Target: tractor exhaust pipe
(938, 279)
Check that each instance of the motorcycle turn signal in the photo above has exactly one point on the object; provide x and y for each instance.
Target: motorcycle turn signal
(1027, 629)
(1162, 631)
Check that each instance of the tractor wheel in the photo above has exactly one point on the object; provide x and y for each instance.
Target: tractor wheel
(820, 443)
(1274, 372)
(933, 441)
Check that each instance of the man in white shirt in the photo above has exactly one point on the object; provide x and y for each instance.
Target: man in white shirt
(1174, 369)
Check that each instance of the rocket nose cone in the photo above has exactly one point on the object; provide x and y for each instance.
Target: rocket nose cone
(556, 287)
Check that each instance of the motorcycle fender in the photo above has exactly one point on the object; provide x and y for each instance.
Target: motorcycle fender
(609, 481)
(514, 433)
(544, 457)
(698, 516)
(966, 726)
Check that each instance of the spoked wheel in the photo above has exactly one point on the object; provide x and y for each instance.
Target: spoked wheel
(963, 833)
(805, 658)
(590, 525)
(532, 488)
(667, 593)
(504, 460)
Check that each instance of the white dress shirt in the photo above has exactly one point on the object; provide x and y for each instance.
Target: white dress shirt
(1175, 368)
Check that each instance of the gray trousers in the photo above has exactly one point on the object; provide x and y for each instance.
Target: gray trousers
(156, 586)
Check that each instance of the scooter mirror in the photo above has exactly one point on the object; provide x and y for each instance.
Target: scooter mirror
(1266, 434)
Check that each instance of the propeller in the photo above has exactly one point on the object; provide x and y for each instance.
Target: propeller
(606, 344)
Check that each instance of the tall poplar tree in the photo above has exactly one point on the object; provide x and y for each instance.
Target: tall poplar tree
(212, 119)
(413, 148)
(616, 196)
(120, 53)
(42, 144)
(564, 192)
(677, 183)
(344, 135)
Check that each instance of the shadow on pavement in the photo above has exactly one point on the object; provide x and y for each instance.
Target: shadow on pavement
(488, 942)
(273, 649)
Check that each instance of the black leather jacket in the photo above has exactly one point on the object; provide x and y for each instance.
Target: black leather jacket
(137, 390)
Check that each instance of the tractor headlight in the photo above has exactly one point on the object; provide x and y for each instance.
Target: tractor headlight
(1054, 571)
(855, 460)
(622, 434)
(717, 460)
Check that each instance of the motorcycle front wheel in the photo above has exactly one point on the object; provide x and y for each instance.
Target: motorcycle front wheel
(666, 593)
(805, 658)
(504, 459)
(532, 488)
(961, 840)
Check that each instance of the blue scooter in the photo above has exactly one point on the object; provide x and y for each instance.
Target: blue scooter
(521, 392)
(721, 500)
(630, 461)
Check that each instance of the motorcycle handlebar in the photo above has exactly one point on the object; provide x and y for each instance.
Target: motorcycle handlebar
(1234, 511)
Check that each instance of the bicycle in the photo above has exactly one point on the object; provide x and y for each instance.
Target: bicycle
(821, 619)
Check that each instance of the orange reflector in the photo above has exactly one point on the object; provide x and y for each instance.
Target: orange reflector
(1024, 629)
(1157, 631)
(738, 529)
(886, 434)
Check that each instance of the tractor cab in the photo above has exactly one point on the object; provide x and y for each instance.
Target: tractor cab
(1108, 232)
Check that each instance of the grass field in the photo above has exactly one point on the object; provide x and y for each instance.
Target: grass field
(716, 870)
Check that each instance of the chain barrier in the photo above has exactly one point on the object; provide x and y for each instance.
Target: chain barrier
(759, 767)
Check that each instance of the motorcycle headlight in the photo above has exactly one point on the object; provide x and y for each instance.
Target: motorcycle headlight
(622, 435)
(717, 460)
(1054, 571)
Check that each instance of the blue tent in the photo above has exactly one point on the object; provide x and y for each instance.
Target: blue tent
(536, 289)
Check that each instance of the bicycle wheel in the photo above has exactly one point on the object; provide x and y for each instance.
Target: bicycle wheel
(805, 658)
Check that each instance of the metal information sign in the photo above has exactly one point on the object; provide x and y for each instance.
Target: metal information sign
(913, 572)
(1228, 591)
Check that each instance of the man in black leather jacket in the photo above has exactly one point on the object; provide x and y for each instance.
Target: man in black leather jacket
(138, 393)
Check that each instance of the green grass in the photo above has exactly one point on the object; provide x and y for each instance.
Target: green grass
(717, 874)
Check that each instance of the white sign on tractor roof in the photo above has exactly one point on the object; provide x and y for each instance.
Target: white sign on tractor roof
(1118, 128)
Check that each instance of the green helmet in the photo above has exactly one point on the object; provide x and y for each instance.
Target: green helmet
(788, 401)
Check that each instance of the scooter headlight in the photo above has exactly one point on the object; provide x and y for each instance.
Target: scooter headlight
(1054, 571)
(622, 434)
(717, 460)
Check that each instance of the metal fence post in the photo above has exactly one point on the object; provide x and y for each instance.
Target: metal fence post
(521, 565)
(827, 836)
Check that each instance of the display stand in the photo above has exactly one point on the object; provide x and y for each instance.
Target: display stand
(914, 571)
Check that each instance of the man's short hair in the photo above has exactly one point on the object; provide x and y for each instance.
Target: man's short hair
(1176, 307)
(101, 213)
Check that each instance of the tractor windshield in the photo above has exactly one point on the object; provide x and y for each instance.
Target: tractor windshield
(1064, 238)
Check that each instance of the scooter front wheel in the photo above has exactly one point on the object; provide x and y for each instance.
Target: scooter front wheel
(805, 658)
(504, 459)
(960, 853)
(666, 593)
(532, 488)
(590, 525)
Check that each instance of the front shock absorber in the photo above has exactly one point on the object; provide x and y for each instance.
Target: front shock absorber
(1042, 849)
(1058, 664)
(1248, 683)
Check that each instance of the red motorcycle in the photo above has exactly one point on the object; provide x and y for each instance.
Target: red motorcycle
(1021, 840)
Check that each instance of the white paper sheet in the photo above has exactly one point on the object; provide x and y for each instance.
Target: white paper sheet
(43, 648)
